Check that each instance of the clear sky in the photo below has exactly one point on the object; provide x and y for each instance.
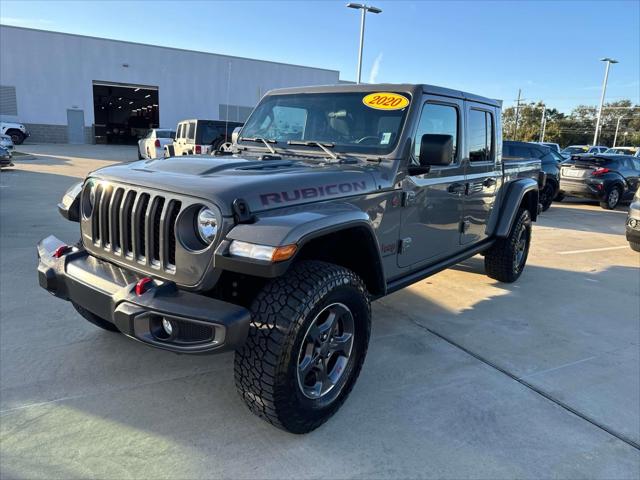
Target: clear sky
(550, 49)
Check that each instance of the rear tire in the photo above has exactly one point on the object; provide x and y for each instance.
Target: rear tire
(282, 372)
(96, 320)
(612, 199)
(506, 259)
(17, 137)
(635, 246)
(559, 197)
(140, 157)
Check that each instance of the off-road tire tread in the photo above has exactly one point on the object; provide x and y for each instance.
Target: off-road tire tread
(94, 319)
(498, 260)
(277, 313)
(635, 246)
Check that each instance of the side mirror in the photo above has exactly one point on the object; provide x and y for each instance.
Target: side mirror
(436, 150)
(235, 134)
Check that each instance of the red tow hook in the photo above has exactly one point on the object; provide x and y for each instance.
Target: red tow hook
(61, 250)
(143, 285)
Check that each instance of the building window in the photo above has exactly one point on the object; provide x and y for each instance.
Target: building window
(8, 103)
(234, 113)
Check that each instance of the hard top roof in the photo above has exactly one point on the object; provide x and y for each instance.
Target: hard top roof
(413, 89)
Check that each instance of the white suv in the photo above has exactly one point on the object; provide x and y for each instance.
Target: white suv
(16, 131)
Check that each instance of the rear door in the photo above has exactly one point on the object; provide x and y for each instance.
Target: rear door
(432, 202)
(483, 170)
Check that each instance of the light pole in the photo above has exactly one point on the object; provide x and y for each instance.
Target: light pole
(543, 122)
(604, 90)
(363, 12)
(615, 137)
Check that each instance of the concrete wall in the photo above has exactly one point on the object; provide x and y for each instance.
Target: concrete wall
(53, 72)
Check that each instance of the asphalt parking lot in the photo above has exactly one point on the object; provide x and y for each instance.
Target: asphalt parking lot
(465, 377)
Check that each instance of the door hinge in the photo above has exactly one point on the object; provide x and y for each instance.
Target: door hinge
(408, 198)
(405, 243)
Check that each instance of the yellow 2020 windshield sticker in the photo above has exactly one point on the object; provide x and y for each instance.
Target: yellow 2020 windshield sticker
(385, 101)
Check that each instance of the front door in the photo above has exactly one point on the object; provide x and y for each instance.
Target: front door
(75, 126)
(483, 172)
(433, 202)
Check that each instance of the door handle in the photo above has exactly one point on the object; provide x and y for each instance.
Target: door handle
(458, 188)
(489, 182)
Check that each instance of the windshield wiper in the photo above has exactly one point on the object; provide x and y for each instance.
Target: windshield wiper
(313, 143)
(266, 141)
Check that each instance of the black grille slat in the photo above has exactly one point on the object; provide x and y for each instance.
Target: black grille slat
(95, 216)
(136, 225)
(103, 212)
(170, 227)
(156, 239)
(114, 219)
(126, 219)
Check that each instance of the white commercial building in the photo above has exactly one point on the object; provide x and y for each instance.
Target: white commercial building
(78, 89)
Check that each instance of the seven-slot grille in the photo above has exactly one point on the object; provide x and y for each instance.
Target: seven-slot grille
(135, 225)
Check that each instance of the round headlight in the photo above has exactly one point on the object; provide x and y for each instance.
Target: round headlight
(207, 224)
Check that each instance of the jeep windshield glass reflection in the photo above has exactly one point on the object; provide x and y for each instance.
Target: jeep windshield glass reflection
(340, 120)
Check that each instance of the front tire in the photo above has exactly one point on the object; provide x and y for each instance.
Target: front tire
(96, 320)
(507, 257)
(635, 246)
(306, 345)
(612, 199)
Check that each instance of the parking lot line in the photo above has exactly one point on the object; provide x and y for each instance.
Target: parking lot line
(603, 249)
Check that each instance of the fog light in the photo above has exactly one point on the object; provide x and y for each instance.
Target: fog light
(168, 326)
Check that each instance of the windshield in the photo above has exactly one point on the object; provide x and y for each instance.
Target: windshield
(556, 156)
(618, 151)
(575, 150)
(340, 119)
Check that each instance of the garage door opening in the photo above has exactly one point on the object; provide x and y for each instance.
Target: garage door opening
(123, 113)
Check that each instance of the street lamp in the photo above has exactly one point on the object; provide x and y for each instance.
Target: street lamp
(604, 90)
(363, 12)
(615, 137)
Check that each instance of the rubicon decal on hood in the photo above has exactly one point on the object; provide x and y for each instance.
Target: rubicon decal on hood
(313, 192)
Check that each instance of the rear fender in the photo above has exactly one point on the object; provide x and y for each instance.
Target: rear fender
(521, 193)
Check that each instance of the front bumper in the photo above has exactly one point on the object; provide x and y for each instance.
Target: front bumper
(201, 324)
(633, 227)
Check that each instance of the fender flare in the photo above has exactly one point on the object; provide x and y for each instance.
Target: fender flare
(517, 190)
(69, 206)
(300, 227)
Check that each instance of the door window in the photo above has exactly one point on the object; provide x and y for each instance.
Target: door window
(191, 133)
(436, 119)
(481, 138)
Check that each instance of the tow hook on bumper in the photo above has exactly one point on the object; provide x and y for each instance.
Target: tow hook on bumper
(163, 316)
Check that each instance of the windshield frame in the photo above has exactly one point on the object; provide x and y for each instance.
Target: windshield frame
(283, 147)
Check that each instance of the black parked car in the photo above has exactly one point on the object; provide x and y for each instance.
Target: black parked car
(606, 178)
(550, 165)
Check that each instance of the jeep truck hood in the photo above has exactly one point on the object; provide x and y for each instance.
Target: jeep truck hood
(263, 184)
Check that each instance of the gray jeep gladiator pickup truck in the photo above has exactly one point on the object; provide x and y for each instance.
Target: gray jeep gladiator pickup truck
(334, 196)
